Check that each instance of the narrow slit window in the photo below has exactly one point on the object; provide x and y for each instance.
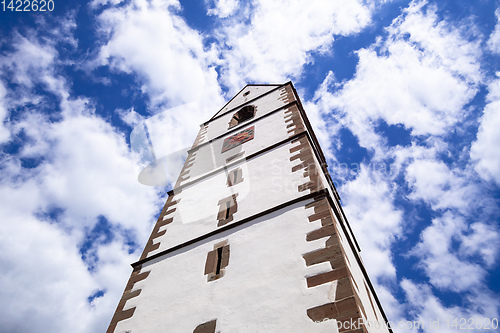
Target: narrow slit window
(227, 207)
(234, 177)
(217, 261)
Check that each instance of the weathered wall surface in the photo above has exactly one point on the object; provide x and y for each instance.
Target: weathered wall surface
(263, 289)
(268, 181)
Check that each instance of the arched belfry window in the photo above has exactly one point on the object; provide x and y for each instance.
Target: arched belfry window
(245, 113)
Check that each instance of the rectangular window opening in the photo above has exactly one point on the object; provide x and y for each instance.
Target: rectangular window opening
(234, 177)
(219, 261)
(228, 207)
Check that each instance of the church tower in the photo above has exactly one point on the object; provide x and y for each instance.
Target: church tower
(252, 237)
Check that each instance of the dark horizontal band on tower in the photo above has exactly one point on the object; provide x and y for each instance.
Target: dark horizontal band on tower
(316, 195)
(323, 193)
(231, 164)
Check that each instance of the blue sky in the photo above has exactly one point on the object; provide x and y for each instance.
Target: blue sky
(404, 97)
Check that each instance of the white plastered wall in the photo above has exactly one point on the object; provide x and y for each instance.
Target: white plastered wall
(264, 105)
(267, 182)
(263, 289)
(267, 131)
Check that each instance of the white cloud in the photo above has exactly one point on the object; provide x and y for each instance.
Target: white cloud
(281, 35)
(97, 3)
(86, 171)
(456, 269)
(30, 61)
(394, 310)
(368, 202)
(323, 128)
(483, 240)
(441, 41)
(130, 116)
(421, 75)
(433, 182)
(33, 62)
(79, 150)
(484, 151)
(148, 38)
(413, 89)
(222, 8)
(4, 130)
(86, 150)
(494, 40)
(425, 72)
(421, 60)
(428, 307)
(43, 276)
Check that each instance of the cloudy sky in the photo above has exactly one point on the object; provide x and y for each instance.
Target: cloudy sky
(404, 97)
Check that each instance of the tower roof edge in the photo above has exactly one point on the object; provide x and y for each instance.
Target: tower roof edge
(249, 92)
